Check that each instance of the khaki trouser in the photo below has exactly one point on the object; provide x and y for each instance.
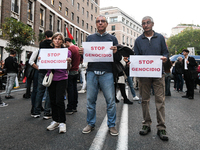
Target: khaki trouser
(159, 90)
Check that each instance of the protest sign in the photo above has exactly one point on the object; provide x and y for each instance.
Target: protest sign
(97, 52)
(145, 66)
(53, 58)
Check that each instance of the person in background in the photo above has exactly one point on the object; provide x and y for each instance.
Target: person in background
(11, 67)
(82, 69)
(189, 72)
(57, 88)
(179, 72)
(152, 43)
(167, 66)
(2, 104)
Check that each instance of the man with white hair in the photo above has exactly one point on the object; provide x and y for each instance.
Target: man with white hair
(152, 43)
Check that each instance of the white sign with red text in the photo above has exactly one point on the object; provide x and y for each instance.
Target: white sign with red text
(97, 52)
(145, 66)
(53, 58)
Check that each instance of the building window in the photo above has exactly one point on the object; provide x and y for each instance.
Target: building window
(60, 6)
(77, 36)
(113, 19)
(52, 2)
(113, 28)
(77, 19)
(123, 28)
(81, 37)
(78, 6)
(123, 20)
(127, 30)
(82, 23)
(131, 42)
(91, 17)
(72, 16)
(96, 1)
(127, 22)
(66, 11)
(51, 22)
(88, 2)
(91, 28)
(83, 10)
(127, 41)
(72, 31)
(42, 17)
(87, 25)
(87, 14)
(72, 2)
(14, 6)
(58, 25)
(65, 33)
(30, 10)
(123, 39)
(95, 9)
(91, 6)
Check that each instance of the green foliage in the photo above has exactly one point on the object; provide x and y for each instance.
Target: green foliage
(189, 37)
(41, 37)
(18, 35)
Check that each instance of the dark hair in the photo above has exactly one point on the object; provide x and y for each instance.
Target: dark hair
(68, 39)
(48, 33)
(12, 52)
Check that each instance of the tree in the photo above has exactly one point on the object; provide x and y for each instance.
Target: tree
(18, 35)
(189, 37)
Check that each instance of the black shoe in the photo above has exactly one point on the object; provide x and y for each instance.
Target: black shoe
(34, 115)
(145, 130)
(9, 97)
(47, 116)
(163, 135)
(190, 97)
(185, 96)
(74, 110)
(69, 111)
(127, 101)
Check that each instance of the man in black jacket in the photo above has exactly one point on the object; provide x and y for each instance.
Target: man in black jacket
(38, 88)
(189, 64)
(11, 66)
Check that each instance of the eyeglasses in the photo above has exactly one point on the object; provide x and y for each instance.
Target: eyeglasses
(98, 21)
(146, 23)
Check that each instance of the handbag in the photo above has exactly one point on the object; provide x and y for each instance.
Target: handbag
(47, 80)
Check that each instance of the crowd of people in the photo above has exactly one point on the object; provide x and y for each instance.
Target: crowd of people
(106, 76)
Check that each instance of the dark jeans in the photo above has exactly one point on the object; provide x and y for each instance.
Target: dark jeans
(189, 83)
(40, 93)
(34, 92)
(56, 94)
(167, 84)
(72, 92)
(179, 80)
(28, 87)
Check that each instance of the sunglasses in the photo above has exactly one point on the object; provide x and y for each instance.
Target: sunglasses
(102, 21)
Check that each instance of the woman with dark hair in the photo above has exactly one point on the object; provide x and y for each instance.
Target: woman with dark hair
(57, 89)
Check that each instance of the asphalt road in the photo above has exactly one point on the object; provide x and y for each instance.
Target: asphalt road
(18, 130)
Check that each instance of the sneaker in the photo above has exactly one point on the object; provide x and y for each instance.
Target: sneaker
(47, 116)
(74, 110)
(128, 102)
(145, 130)
(136, 98)
(82, 91)
(69, 112)
(88, 129)
(113, 131)
(52, 126)
(62, 128)
(163, 135)
(35, 115)
(3, 104)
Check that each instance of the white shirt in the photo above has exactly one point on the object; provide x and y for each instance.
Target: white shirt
(33, 57)
(185, 63)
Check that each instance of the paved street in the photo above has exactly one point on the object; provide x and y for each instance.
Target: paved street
(19, 131)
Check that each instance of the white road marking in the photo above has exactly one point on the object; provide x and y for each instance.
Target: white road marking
(17, 90)
(100, 137)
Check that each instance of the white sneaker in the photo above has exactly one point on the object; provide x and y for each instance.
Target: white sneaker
(3, 104)
(136, 98)
(53, 126)
(82, 91)
(62, 128)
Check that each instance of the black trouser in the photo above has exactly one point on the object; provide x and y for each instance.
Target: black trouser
(56, 94)
(189, 83)
(72, 92)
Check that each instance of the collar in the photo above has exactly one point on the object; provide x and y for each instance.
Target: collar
(154, 35)
(105, 33)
